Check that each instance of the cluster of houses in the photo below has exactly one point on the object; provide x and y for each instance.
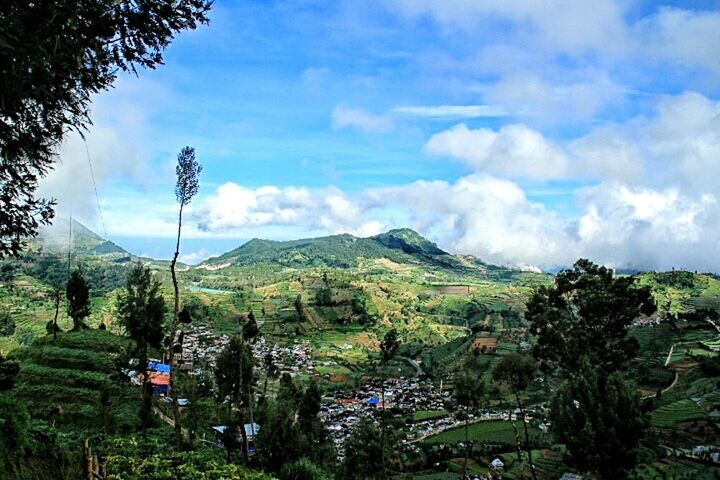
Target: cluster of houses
(341, 411)
(201, 345)
(294, 360)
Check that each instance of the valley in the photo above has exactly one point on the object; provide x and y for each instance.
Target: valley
(323, 307)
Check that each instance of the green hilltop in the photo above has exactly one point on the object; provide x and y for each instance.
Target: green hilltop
(403, 247)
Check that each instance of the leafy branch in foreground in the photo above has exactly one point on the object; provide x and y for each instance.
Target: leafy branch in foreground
(53, 57)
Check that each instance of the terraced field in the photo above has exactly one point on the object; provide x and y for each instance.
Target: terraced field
(670, 415)
(73, 382)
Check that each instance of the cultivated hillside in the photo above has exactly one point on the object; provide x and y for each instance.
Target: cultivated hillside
(399, 246)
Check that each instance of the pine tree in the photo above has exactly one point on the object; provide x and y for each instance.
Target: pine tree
(235, 378)
(517, 371)
(77, 292)
(141, 309)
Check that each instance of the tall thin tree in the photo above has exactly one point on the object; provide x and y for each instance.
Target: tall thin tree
(388, 349)
(469, 394)
(517, 371)
(188, 176)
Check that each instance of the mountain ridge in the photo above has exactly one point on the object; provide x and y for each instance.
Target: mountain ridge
(401, 245)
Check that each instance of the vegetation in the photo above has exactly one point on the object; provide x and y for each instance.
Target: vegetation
(581, 323)
(54, 57)
(187, 185)
(468, 330)
(77, 293)
(142, 310)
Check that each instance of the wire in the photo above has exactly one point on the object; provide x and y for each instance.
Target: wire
(97, 198)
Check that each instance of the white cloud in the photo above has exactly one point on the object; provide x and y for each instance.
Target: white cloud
(346, 117)
(481, 215)
(580, 27)
(607, 153)
(580, 97)
(682, 37)
(514, 150)
(570, 26)
(110, 157)
(234, 207)
(649, 228)
(679, 145)
(620, 225)
(452, 111)
(194, 258)
(489, 217)
(682, 142)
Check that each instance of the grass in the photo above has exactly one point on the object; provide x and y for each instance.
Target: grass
(492, 431)
(429, 414)
(676, 468)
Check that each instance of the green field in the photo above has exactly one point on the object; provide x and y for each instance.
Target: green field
(492, 431)
(668, 416)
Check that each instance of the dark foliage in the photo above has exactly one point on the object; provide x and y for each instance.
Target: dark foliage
(7, 324)
(364, 447)
(53, 57)
(389, 345)
(77, 293)
(141, 309)
(250, 328)
(581, 326)
(8, 371)
(601, 423)
(587, 312)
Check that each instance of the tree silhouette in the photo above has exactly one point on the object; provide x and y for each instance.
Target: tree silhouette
(141, 309)
(77, 292)
(517, 371)
(250, 328)
(587, 312)
(188, 176)
(581, 326)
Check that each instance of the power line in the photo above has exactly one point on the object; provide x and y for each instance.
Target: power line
(97, 197)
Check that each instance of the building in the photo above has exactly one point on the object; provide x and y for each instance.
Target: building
(251, 430)
(160, 382)
(497, 464)
(571, 476)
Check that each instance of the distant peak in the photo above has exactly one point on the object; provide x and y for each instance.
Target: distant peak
(409, 241)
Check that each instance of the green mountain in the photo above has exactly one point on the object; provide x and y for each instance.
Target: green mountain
(403, 246)
(64, 232)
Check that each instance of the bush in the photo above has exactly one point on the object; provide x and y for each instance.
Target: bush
(302, 469)
(135, 459)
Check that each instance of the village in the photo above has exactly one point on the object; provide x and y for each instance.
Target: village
(341, 410)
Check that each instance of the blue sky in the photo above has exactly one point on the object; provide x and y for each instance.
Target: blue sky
(525, 134)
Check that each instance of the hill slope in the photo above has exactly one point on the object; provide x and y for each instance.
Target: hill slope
(339, 251)
(56, 238)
